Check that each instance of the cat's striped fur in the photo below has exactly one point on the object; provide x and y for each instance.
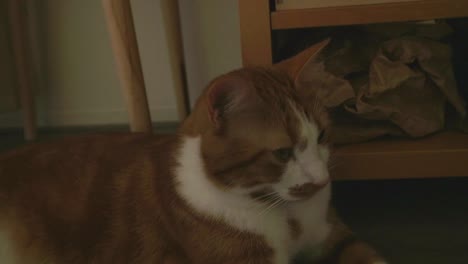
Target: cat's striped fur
(245, 180)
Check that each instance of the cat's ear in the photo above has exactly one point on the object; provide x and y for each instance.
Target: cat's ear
(226, 95)
(294, 65)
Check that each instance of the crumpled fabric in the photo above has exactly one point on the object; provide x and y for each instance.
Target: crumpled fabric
(399, 86)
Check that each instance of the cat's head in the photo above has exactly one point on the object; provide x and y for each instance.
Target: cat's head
(261, 135)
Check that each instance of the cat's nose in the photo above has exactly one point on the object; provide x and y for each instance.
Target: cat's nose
(306, 190)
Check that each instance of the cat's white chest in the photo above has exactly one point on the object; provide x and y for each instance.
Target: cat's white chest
(234, 210)
(311, 215)
(274, 225)
(271, 226)
(6, 248)
(238, 211)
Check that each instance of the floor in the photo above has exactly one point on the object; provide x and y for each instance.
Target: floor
(409, 221)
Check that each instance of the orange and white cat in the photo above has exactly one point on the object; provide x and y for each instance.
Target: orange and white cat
(244, 180)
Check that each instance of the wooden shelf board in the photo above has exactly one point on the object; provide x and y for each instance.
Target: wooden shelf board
(441, 155)
(368, 14)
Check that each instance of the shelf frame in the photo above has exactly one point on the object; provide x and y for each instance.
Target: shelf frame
(444, 154)
(369, 14)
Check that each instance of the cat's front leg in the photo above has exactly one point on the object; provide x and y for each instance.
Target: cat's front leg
(257, 260)
(343, 247)
(357, 252)
(175, 259)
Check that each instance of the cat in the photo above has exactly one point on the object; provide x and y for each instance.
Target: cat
(244, 180)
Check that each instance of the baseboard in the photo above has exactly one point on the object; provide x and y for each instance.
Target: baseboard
(60, 118)
(158, 127)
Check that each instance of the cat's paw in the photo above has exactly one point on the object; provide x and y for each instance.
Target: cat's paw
(359, 252)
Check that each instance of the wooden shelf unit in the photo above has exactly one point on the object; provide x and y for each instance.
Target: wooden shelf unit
(441, 155)
(367, 14)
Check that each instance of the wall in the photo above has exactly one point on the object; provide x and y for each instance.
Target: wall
(211, 36)
(8, 100)
(80, 85)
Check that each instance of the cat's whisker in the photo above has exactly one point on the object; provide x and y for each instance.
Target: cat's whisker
(269, 203)
(334, 164)
(277, 200)
(231, 183)
(276, 204)
(332, 158)
(282, 202)
(317, 106)
(265, 195)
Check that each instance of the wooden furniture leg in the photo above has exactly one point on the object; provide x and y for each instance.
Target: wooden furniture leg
(170, 12)
(122, 34)
(255, 32)
(17, 10)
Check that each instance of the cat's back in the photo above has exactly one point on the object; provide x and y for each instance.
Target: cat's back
(74, 159)
(82, 194)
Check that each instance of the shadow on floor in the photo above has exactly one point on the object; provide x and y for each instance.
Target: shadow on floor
(409, 221)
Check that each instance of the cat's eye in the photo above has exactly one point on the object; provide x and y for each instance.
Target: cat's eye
(283, 154)
(321, 137)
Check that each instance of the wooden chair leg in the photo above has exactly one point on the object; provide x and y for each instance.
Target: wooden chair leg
(17, 10)
(122, 34)
(171, 18)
